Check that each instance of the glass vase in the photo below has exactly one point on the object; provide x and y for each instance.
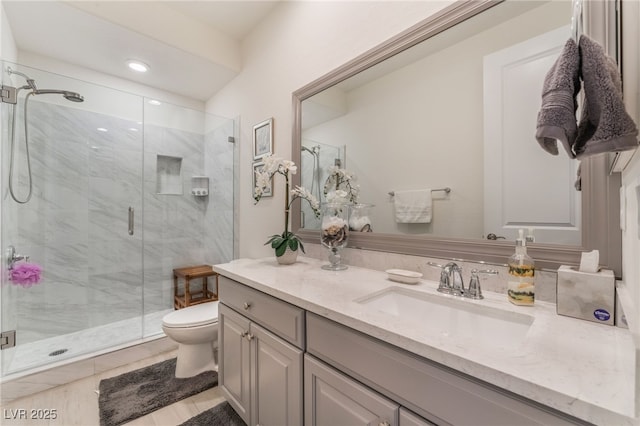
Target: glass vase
(360, 217)
(334, 233)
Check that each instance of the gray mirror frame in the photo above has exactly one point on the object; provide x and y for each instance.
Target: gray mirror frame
(600, 189)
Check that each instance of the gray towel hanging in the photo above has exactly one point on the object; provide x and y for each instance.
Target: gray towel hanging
(605, 125)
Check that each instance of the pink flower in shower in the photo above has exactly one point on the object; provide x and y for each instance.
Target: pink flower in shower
(25, 274)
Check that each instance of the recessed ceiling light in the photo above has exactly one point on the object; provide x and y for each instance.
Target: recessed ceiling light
(154, 102)
(102, 129)
(138, 66)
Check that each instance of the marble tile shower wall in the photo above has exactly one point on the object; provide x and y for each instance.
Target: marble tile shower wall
(174, 224)
(75, 226)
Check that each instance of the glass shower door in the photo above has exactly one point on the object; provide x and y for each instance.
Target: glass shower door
(82, 224)
(188, 199)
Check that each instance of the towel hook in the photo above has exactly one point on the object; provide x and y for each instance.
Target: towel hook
(576, 20)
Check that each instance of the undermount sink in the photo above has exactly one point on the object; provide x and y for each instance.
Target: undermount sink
(451, 316)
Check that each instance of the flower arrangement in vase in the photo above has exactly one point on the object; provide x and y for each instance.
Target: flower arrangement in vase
(340, 191)
(287, 242)
(340, 187)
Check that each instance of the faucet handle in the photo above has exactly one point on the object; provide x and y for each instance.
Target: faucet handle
(474, 291)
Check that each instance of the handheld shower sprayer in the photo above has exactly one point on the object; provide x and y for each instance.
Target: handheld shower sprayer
(31, 85)
(70, 96)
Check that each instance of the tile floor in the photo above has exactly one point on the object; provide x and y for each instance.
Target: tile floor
(76, 403)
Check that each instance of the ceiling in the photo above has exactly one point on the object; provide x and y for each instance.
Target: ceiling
(192, 47)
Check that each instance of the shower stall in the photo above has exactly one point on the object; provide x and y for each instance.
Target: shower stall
(316, 160)
(97, 210)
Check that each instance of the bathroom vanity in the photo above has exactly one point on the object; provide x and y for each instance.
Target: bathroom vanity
(301, 345)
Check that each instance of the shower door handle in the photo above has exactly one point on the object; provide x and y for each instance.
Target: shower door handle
(130, 220)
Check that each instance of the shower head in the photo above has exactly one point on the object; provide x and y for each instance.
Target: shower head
(70, 96)
(73, 96)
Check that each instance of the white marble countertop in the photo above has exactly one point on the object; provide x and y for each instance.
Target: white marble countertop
(577, 367)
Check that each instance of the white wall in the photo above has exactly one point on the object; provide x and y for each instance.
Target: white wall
(8, 49)
(630, 196)
(297, 43)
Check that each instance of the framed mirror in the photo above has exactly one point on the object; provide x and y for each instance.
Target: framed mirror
(417, 112)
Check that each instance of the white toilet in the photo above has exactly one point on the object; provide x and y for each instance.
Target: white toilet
(195, 329)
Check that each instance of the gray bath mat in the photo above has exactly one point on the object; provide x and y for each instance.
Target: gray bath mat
(220, 415)
(139, 392)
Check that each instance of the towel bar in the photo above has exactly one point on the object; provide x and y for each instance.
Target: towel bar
(447, 190)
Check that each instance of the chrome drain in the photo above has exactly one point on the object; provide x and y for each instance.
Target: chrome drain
(58, 352)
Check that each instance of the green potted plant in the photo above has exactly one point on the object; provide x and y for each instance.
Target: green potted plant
(286, 244)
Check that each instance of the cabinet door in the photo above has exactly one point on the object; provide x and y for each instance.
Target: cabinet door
(331, 398)
(407, 418)
(234, 360)
(276, 380)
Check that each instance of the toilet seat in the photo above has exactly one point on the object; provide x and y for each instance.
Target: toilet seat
(192, 316)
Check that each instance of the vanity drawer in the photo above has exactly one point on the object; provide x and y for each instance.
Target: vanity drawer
(281, 318)
(435, 392)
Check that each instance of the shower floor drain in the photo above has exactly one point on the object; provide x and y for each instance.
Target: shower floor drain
(58, 352)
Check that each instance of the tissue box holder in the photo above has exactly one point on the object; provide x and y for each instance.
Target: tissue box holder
(586, 295)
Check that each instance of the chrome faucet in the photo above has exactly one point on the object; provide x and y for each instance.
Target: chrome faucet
(451, 281)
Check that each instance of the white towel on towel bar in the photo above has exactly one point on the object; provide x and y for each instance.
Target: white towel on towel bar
(413, 206)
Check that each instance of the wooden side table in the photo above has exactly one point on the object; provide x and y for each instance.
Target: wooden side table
(193, 298)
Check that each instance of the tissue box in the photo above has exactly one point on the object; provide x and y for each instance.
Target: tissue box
(586, 295)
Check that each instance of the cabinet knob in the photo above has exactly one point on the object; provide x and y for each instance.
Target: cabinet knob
(384, 423)
(247, 305)
(249, 336)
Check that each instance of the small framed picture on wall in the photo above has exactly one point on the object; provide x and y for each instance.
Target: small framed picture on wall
(263, 139)
(267, 192)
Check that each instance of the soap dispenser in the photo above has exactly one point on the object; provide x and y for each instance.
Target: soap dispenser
(521, 288)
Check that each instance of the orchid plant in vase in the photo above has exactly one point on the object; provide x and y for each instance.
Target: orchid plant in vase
(340, 186)
(274, 165)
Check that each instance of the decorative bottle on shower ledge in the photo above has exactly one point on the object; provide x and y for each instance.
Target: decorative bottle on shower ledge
(521, 287)
(335, 232)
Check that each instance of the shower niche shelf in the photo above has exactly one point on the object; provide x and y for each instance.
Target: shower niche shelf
(200, 186)
(169, 175)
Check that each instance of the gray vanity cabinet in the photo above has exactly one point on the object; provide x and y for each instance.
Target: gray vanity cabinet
(433, 391)
(407, 418)
(260, 373)
(350, 378)
(331, 398)
(234, 360)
